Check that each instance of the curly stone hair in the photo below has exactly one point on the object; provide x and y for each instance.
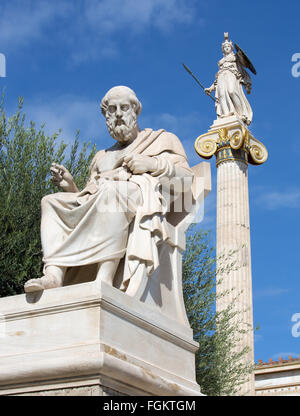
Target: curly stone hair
(121, 90)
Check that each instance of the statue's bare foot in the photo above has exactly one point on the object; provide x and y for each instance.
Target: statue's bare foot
(44, 282)
(245, 120)
(107, 271)
(33, 285)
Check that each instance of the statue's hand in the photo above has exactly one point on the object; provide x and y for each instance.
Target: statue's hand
(140, 163)
(61, 177)
(207, 91)
(119, 174)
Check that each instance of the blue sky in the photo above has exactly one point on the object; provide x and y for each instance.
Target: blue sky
(62, 56)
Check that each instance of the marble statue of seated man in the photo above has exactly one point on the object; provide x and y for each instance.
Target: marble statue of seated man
(123, 198)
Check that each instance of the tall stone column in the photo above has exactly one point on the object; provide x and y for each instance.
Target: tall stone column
(234, 147)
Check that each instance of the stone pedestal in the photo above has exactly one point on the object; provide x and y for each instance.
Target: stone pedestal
(91, 339)
(234, 147)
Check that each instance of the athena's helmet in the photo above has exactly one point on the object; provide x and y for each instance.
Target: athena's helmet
(227, 41)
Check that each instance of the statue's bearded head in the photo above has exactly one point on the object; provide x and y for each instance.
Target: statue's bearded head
(121, 108)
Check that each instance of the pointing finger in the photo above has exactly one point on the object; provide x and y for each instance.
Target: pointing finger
(62, 168)
(54, 170)
(130, 164)
(128, 158)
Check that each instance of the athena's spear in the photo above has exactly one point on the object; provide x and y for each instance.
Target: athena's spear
(198, 82)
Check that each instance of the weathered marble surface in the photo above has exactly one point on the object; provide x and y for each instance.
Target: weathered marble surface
(75, 391)
(92, 334)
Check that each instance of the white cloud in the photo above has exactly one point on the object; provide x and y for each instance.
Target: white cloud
(101, 22)
(258, 338)
(88, 28)
(22, 22)
(270, 291)
(114, 15)
(288, 198)
(69, 113)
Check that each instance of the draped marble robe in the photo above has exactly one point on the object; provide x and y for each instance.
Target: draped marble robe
(118, 213)
(229, 83)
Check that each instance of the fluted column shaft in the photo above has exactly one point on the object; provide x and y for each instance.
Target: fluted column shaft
(234, 147)
(233, 246)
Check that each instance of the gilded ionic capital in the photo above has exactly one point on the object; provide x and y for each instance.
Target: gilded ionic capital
(233, 142)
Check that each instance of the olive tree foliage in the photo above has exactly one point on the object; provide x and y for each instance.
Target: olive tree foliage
(26, 154)
(221, 368)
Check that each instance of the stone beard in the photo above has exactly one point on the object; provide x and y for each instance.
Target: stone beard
(122, 129)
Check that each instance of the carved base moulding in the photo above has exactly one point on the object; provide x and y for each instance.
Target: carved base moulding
(92, 339)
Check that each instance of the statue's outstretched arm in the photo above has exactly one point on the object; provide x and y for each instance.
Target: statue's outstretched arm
(61, 177)
(211, 88)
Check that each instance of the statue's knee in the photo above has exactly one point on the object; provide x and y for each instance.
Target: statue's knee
(109, 190)
(113, 189)
(108, 200)
(232, 92)
(45, 200)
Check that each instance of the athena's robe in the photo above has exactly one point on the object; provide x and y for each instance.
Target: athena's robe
(230, 97)
(118, 213)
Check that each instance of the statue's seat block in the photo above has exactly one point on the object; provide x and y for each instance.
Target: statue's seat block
(94, 338)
